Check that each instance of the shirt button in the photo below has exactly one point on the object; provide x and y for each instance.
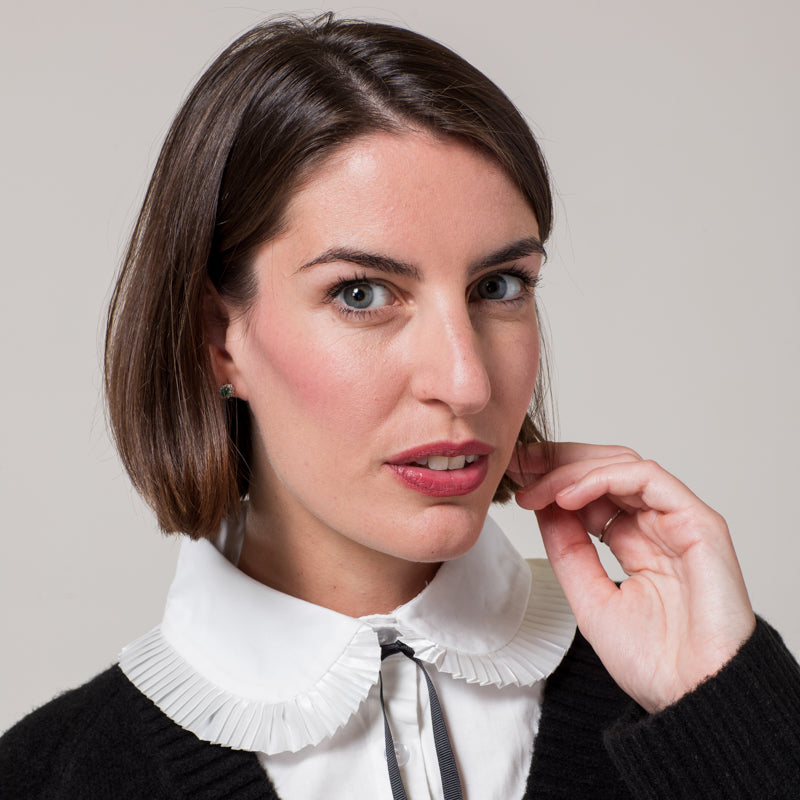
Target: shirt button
(402, 753)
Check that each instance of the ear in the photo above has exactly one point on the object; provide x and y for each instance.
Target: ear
(219, 323)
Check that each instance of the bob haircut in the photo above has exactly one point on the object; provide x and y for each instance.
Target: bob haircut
(271, 108)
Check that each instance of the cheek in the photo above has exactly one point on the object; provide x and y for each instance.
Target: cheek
(331, 378)
(515, 366)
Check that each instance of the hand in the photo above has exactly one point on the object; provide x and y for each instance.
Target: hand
(683, 612)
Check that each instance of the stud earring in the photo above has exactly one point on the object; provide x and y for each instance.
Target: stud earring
(226, 391)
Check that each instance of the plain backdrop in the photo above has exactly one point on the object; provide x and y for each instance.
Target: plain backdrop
(671, 291)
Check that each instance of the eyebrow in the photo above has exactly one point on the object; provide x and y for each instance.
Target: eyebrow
(516, 250)
(364, 259)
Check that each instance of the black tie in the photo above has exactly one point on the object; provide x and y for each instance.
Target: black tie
(451, 784)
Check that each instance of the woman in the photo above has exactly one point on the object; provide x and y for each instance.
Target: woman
(321, 355)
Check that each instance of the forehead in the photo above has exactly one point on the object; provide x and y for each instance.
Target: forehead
(409, 191)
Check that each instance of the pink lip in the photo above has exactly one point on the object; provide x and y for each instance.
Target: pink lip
(442, 483)
(449, 449)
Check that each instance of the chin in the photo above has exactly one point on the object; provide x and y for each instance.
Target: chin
(444, 532)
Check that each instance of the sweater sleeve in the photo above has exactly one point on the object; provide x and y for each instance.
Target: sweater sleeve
(736, 736)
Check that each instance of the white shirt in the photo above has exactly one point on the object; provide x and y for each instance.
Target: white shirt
(243, 665)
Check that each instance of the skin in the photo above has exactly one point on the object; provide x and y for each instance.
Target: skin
(334, 396)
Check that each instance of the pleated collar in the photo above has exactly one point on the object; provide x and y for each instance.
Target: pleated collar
(243, 665)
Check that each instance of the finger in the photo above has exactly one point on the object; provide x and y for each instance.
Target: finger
(538, 458)
(544, 491)
(575, 562)
(638, 484)
(533, 457)
(596, 515)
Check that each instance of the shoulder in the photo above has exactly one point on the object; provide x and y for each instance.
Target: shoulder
(68, 716)
(84, 738)
(108, 741)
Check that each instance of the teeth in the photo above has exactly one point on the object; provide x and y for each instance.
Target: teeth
(444, 462)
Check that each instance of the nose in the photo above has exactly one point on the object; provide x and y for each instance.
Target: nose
(448, 365)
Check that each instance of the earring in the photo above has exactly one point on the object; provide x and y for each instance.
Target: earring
(226, 391)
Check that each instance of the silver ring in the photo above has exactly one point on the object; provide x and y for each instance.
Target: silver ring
(611, 520)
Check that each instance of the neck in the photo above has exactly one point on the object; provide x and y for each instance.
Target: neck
(327, 570)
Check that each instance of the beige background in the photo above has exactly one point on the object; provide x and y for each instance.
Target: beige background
(672, 289)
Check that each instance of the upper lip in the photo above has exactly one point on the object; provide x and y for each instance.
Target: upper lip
(472, 447)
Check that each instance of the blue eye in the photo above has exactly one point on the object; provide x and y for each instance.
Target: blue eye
(499, 287)
(363, 295)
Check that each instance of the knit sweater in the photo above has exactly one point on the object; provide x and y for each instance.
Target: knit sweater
(736, 736)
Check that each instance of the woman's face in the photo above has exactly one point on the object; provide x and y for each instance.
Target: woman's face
(392, 349)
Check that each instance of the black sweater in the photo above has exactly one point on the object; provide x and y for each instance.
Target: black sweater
(735, 736)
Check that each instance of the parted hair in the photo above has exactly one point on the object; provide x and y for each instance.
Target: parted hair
(269, 109)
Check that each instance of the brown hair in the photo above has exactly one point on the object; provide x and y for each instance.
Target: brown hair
(274, 104)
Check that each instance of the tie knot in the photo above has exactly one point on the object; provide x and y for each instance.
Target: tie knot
(396, 647)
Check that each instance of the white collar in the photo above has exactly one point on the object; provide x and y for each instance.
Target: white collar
(243, 665)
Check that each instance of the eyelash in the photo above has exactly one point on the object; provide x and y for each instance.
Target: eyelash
(529, 280)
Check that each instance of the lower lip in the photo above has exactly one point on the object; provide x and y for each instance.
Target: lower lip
(443, 482)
